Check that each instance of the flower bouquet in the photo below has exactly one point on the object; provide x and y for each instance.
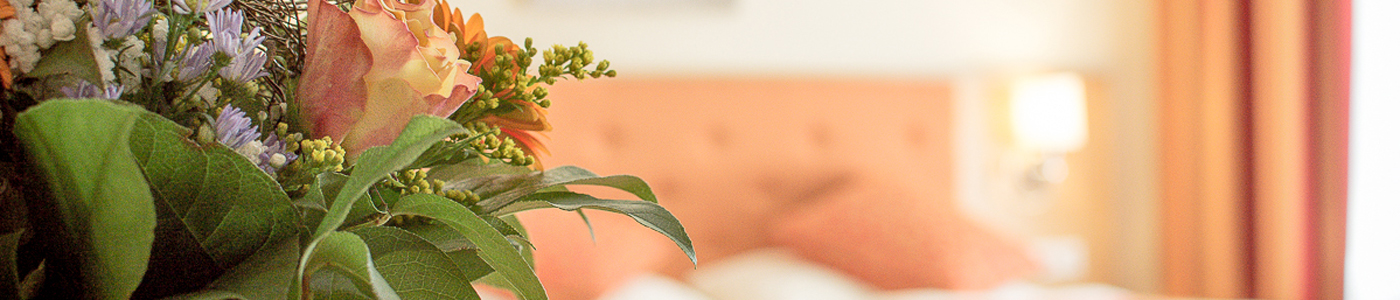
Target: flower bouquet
(261, 149)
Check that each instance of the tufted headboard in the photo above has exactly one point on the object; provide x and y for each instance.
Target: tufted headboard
(729, 157)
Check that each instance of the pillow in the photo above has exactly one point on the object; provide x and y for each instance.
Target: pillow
(892, 237)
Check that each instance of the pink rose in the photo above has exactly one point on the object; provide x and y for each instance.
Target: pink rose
(369, 71)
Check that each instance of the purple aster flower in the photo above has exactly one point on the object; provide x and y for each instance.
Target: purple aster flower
(89, 90)
(196, 62)
(234, 128)
(246, 67)
(237, 132)
(275, 156)
(226, 26)
(199, 6)
(120, 18)
(246, 61)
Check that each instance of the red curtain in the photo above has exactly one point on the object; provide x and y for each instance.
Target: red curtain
(1253, 126)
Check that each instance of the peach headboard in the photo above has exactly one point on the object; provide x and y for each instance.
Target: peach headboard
(725, 155)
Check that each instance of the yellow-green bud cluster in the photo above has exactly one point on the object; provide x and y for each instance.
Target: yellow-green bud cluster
(573, 61)
(293, 139)
(507, 82)
(321, 155)
(495, 145)
(416, 182)
(409, 182)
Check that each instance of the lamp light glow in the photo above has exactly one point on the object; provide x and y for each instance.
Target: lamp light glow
(1048, 112)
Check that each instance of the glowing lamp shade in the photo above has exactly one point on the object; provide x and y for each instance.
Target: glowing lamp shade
(1048, 112)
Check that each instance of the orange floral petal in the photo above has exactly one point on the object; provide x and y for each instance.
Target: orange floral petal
(530, 117)
(6, 11)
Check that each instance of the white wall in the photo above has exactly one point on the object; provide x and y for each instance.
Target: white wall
(1372, 266)
(827, 37)
(1111, 41)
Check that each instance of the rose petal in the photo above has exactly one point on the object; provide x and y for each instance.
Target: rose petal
(332, 93)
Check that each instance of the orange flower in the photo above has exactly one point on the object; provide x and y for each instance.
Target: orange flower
(472, 32)
(524, 125)
(370, 70)
(6, 78)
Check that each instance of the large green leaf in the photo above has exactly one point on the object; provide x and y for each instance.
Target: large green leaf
(73, 57)
(648, 214)
(456, 245)
(371, 167)
(461, 249)
(499, 191)
(345, 255)
(414, 267)
(215, 205)
(265, 275)
(494, 248)
(102, 203)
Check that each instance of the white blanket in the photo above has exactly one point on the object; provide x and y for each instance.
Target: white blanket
(778, 275)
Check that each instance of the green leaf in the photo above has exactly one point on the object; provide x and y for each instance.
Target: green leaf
(265, 275)
(345, 254)
(9, 265)
(73, 57)
(219, 202)
(375, 164)
(103, 204)
(501, 190)
(454, 244)
(591, 235)
(495, 279)
(527, 252)
(494, 248)
(447, 153)
(648, 214)
(474, 169)
(313, 204)
(414, 267)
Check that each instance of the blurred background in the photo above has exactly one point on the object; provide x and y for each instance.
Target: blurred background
(889, 149)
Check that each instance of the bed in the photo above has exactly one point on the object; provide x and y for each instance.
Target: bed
(846, 182)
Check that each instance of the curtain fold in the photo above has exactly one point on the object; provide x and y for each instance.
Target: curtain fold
(1253, 144)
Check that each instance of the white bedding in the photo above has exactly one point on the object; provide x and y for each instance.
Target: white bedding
(778, 275)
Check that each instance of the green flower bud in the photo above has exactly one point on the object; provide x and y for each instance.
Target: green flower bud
(205, 135)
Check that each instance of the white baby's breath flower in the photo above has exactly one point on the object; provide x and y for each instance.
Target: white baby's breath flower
(44, 38)
(19, 45)
(51, 9)
(103, 57)
(31, 30)
(63, 29)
